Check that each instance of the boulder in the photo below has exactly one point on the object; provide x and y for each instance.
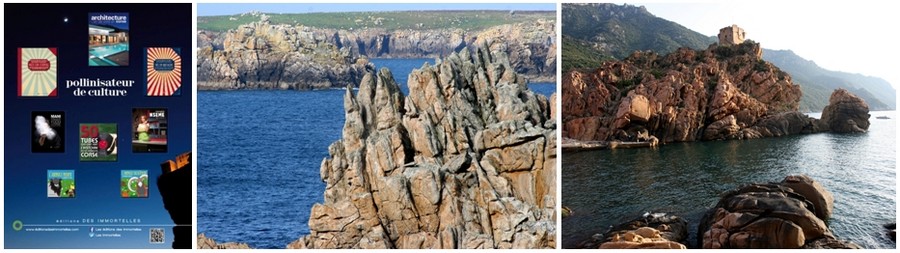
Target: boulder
(650, 231)
(845, 113)
(204, 242)
(787, 215)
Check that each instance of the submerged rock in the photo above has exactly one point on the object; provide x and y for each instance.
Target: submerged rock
(466, 160)
(204, 242)
(845, 113)
(651, 231)
(789, 214)
(891, 231)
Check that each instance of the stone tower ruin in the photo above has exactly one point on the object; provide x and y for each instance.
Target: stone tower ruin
(731, 35)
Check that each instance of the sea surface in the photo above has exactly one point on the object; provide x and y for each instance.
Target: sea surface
(259, 154)
(607, 187)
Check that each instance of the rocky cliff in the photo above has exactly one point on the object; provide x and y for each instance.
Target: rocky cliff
(723, 92)
(530, 46)
(787, 215)
(261, 55)
(466, 160)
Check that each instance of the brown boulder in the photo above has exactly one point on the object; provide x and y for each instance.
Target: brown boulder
(650, 231)
(204, 242)
(786, 215)
(845, 113)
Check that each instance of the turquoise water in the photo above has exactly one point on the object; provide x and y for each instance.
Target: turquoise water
(608, 187)
(105, 50)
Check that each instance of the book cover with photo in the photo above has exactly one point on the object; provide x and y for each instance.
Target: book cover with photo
(37, 72)
(163, 71)
(149, 130)
(108, 38)
(98, 142)
(48, 132)
(60, 183)
(134, 184)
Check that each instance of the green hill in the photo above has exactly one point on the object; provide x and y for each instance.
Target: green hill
(416, 20)
(593, 33)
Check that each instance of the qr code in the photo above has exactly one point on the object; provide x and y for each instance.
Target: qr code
(157, 235)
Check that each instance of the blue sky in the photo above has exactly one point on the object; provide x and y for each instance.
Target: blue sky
(228, 9)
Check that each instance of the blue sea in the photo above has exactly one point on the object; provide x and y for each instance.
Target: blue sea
(259, 154)
(608, 187)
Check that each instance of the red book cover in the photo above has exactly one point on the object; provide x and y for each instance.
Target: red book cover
(37, 72)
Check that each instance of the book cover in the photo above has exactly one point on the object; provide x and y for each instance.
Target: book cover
(163, 71)
(150, 129)
(60, 183)
(135, 184)
(108, 37)
(48, 132)
(98, 142)
(37, 72)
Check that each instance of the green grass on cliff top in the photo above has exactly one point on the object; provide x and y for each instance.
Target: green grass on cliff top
(416, 20)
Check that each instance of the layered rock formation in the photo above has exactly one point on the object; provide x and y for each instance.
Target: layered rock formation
(845, 113)
(531, 46)
(789, 214)
(261, 55)
(651, 231)
(723, 92)
(466, 160)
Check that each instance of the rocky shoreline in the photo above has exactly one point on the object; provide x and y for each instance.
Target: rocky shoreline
(790, 214)
(262, 55)
(721, 93)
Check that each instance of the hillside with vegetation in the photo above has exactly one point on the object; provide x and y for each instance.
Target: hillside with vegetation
(595, 33)
(393, 20)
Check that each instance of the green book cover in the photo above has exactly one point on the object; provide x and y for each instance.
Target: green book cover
(60, 183)
(134, 184)
(98, 142)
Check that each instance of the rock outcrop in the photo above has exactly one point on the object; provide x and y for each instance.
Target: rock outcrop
(531, 46)
(723, 92)
(204, 242)
(789, 214)
(174, 183)
(261, 55)
(466, 160)
(651, 231)
(845, 113)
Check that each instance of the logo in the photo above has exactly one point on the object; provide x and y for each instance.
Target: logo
(164, 64)
(38, 64)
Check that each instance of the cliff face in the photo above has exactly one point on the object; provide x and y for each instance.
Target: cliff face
(531, 46)
(723, 92)
(173, 185)
(466, 160)
(260, 55)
